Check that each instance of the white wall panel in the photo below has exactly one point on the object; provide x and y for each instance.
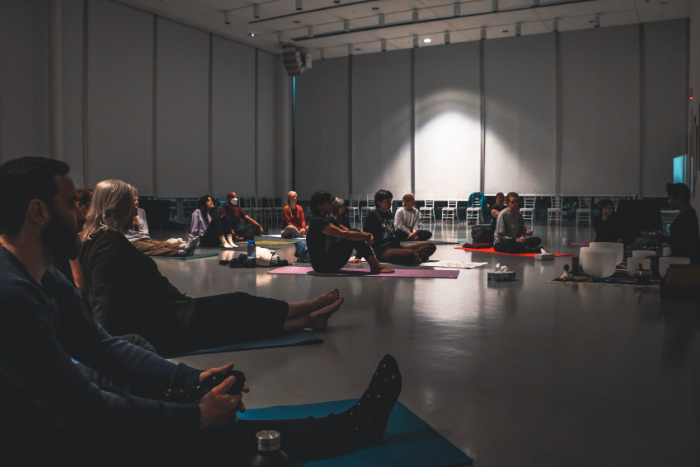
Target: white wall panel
(665, 101)
(72, 87)
(268, 67)
(120, 95)
(24, 79)
(381, 122)
(448, 115)
(233, 118)
(600, 102)
(182, 111)
(322, 129)
(520, 94)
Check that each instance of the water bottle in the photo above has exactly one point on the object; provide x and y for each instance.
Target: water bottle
(269, 453)
(251, 248)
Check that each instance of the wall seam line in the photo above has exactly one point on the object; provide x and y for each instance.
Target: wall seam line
(211, 113)
(86, 170)
(154, 108)
(257, 76)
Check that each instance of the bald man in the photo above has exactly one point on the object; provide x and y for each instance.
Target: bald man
(236, 215)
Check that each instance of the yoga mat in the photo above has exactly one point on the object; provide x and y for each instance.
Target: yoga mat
(194, 256)
(436, 263)
(357, 272)
(491, 250)
(614, 284)
(408, 441)
(580, 244)
(277, 242)
(287, 340)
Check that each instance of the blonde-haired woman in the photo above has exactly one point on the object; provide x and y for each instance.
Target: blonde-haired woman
(293, 224)
(128, 294)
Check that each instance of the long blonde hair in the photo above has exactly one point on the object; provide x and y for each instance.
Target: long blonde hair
(111, 208)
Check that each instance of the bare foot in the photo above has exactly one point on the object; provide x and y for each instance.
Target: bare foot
(324, 300)
(382, 270)
(319, 318)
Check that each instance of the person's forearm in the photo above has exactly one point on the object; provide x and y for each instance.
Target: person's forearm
(355, 236)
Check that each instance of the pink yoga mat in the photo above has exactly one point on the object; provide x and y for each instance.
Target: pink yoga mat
(357, 272)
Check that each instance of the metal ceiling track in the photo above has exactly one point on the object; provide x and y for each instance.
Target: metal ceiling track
(306, 12)
(433, 20)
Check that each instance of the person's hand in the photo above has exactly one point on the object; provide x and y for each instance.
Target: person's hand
(260, 230)
(412, 236)
(370, 240)
(218, 408)
(355, 260)
(302, 231)
(205, 374)
(520, 240)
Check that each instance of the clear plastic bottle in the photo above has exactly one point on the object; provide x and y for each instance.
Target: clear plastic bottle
(269, 453)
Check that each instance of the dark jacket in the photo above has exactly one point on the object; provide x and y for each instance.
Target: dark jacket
(128, 295)
(608, 230)
(42, 328)
(685, 236)
(381, 226)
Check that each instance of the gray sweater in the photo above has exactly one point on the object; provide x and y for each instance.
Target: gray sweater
(408, 221)
(509, 225)
(43, 327)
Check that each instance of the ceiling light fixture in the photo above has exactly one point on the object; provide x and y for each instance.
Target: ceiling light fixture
(383, 45)
(447, 38)
(414, 15)
(280, 38)
(310, 32)
(518, 29)
(375, 8)
(483, 34)
(494, 6)
(346, 26)
(227, 17)
(415, 41)
(256, 11)
(596, 21)
(251, 34)
(350, 49)
(296, 21)
(555, 25)
(457, 10)
(427, 40)
(299, 5)
(322, 54)
(357, 49)
(382, 21)
(336, 1)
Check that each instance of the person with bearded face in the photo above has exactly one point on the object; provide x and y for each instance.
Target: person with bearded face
(52, 413)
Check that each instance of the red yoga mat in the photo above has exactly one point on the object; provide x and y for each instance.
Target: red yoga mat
(491, 250)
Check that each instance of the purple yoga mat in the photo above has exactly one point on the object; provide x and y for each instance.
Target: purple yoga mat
(581, 244)
(357, 272)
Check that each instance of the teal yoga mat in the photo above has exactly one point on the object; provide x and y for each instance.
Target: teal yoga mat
(194, 256)
(408, 442)
(287, 340)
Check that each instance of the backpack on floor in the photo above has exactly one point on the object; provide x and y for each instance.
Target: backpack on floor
(301, 251)
(482, 234)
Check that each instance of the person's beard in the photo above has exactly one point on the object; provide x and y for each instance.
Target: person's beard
(58, 238)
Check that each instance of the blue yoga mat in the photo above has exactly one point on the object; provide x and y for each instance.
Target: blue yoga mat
(287, 340)
(408, 442)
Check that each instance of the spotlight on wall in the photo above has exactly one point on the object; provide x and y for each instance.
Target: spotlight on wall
(415, 41)
(457, 10)
(251, 34)
(346, 26)
(518, 29)
(382, 20)
(447, 38)
(483, 34)
(299, 5)
(256, 11)
(383, 45)
(596, 21)
(414, 15)
(227, 17)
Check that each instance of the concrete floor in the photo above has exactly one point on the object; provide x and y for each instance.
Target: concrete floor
(524, 373)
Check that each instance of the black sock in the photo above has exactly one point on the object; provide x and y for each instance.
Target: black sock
(366, 420)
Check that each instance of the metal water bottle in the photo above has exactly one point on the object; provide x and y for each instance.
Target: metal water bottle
(269, 453)
(251, 248)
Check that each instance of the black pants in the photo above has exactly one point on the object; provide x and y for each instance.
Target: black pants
(235, 317)
(510, 245)
(339, 253)
(248, 232)
(423, 235)
(219, 226)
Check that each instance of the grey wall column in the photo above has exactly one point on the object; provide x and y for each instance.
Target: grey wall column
(155, 107)
(642, 104)
(85, 93)
(557, 99)
(413, 120)
(350, 125)
(285, 176)
(211, 110)
(55, 82)
(257, 124)
(482, 120)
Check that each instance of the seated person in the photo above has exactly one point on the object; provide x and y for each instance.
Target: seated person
(496, 209)
(293, 224)
(211, 229)
(685, 234)
(70, 268)
(509, 236)
(407, 221)
(606, 225)
(380, 223)
(53, 413)
(235, 215)
(338, 253)
(139, 236)
(128, 295)
(340, 214)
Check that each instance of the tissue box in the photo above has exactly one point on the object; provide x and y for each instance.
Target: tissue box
(544, 257)
(501, 276)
